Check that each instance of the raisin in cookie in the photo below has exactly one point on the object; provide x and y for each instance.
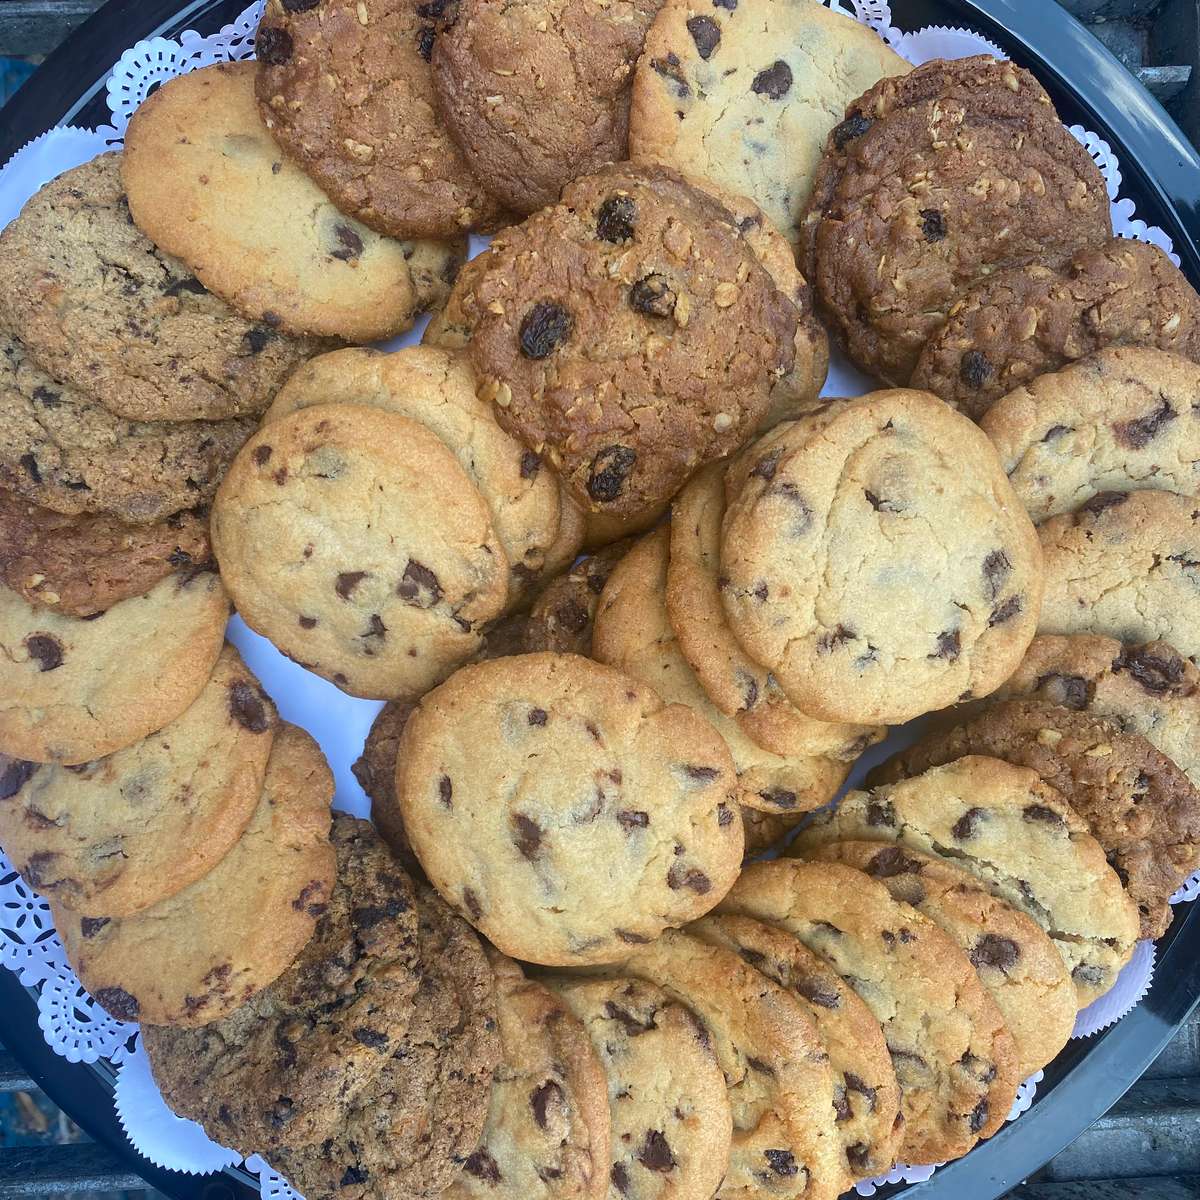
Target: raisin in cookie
(777, 1072)
(97, 305)
(634, 634)
(866, 1096)
(345, 88)
(66, 452)
(351, 537)
(669, 1109)
(1125, 564)
(537, 94)
(437, 388)
(409, 1131)
(1018, 324)
(881, 566)
(955, 1061)
(737, 685)
(207, 184)
(1140, 807)
(746, 93)
(548, 1130)
(1148, 689)
(75, 688)
(172, 964)
(1015, 959)
(518, 775)
(117, 835)
(82, 565)
(1018, 836)
(280, 1069)
(629, 335)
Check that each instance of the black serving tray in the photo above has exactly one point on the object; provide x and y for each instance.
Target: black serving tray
(1161, 173)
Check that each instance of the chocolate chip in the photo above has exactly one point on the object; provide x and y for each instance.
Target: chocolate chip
(531, 463)
(375, 628)
(273, 45)
(541, 1098)
(373, 1039)
(545, 325)
(304, 901)
(472, 902)
(620, 1178)
(29, 463)
(1040, 813)
(1137, 433)
(261, 455)
(1156, 673)
(779, 797)
(1005, 612)
(419, 586)
(979, 1116)
(653, 296)
(968, 824)
(45, 650)
(655, 1153)
(90, 926)
(996, 569)
(615, 219)
(802, 517)
(851, 128)
(933, 225)
(446, 792)
(858, 1156)
(247, 708)
(117, 1002)
(837, 636)
(347, 581)
(307, 622)
(949, 645)
(610, 469)
(669, 68)
(295, 6)
(630, 819)
(782, 1162)
(879, 504)
(855, 1084)
(631, 1024)
(1103, 501)
(189, 283)
(815, 991)
(483, 1166)
(572, 616)
(1069, 691)
(774, 82)
(724, 815)
(991, 950)
(14, 775)
(691, 878)
(426, 36)
(633, 939)
(766, 466)
(1089, 973)
(880, 813)
(706, 33)
(529, 836)
(537, 716)
(974, 369)
(890, 862)
(354, 1175)
(701, 774)
(350, 245)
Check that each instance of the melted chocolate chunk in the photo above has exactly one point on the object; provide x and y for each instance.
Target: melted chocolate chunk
(472, 902)
(766, 466)
(350, 245)
(991, 950)
(1069, 691)
(419, 586)
(630, 819)
(426, 36)
(619, 1175)
(655, 1152)
(1157, 674)
(631, 938)
(347, 581)
(616, 219)
(691, 878)
(117, 1002)
(544, 327)
(295, 6)
(996, 569)
(706, 33)
(890, 862)
(541, 1098)
(528, 836)
(653, 295)
(483, 1166)
(949, 645)
(1139, 432)
(610, 469)
(979, 1116)
(1004, 612)
(273, 45)
(1103, 501)
(14, 775)
(45, 650)
(1040, 813)
(881, 813)
(531, 464)
(774, 82)
(353, 1176)
(782, 1162)
(669, 68)
(29, 463)
(966, 827)
(90, 926)
(537, 716)
(247, 708)
(446, 792)
(815, 992)
(371, 1038)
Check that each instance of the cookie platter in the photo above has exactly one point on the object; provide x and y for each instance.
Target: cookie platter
(1021, 781)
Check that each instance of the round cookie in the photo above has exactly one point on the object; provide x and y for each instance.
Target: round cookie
(63, 451)
(764, 830)
(517, 776)
(1015, 325)
(1125, 564)
(437, 388)
(866, 1096)
(409, 1131)
(375, 770)
(737, 685)
(207, 184)
(881, 567)
(99, 307)
(434, 267)
(1016, 961)
(777, 1073)
(392, 562)
(629, 335)
(1018, 836)
(548, 1129)
(172, 964)
(82, 565)
(73, 689)
(451, 326)
(669, 1110)
(117, 835)
(538, 94)
(634, 634)
(1126, 418)
(282, 1068)
(346, 90)
(954, 1059)
(1140, 807)
(1150, 690)
(746, 93)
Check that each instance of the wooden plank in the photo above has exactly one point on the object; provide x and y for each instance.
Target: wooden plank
(54, 1170)
(37, 26)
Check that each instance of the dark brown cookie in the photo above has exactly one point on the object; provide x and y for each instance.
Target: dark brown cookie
(1031, 320)
(1139, 805)
(375, 770)
(629, 335)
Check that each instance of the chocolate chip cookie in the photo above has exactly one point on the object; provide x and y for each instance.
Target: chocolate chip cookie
(82, 565)
(746, 93)
(434, 267)
(1125, 564)
(208, 184)
(881, 566)
(172, 964)
(954, 1059)
(671, 1123)
(73, 689)
(451, 326)
(1015, 959)
(548, 1129)
(1018, 836)
(99, 307)
(537, 94)
(1030, 320)
(281, 1069)
(115, 836)
(629, 335)
(866, 1096)
(383, 607)
(68, 453)
(346, 89)
(1140, 807)
(517, 776)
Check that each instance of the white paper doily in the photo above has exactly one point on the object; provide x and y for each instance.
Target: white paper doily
(72, 1024)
